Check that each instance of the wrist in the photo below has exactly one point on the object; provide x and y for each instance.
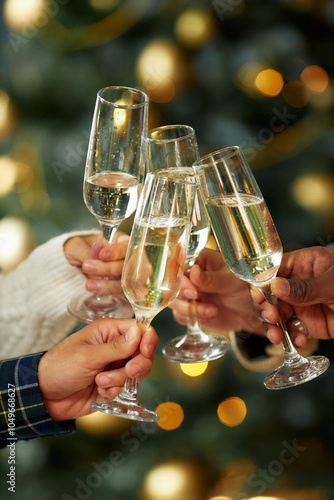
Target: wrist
(44, 387)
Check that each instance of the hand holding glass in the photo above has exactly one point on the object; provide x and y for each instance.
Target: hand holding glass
(153, 268)
(250, 245)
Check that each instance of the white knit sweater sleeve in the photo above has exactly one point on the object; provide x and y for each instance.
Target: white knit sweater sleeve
(34, 299)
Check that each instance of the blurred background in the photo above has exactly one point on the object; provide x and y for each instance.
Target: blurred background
(251, 73)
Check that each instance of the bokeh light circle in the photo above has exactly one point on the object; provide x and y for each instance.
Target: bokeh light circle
(315, 78)
(171, 415)
(232, 411)
(269, 82)
(295, 94)
(194, 369)
(194, 27)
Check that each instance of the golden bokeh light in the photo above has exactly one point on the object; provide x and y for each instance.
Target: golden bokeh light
(232, 411)
(295, 94)
(8, 116)
(101, 424)
(14, 242)
(171, 415)
(175, 480)
(21, 15)
(269, 82)
(24, 177)
(315, 79)
(8, 172)
(315, 192)
(220, 498)
(160, 69)
(194, 369)
(195, 27)
(267, 498)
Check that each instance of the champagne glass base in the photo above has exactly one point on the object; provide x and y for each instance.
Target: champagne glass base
(92, 308)
(120, 407)
(183, 350)
(303, 370)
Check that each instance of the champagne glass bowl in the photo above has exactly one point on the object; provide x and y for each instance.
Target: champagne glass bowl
(153, 268)
(171, 150)
(250, 245)
(113, 177)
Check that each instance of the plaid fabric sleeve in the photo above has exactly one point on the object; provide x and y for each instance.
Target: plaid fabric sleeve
(22, 411)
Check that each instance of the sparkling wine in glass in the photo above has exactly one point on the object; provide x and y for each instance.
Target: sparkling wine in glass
(153, 268)
(250, 245)
(114, 174)
(171, 150)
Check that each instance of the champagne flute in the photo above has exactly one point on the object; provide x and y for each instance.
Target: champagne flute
(114, 173)
(153, 268)
(250, 245)
(172, 150)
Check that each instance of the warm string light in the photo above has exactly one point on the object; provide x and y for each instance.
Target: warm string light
(315, 192)
(195, 27)
(232, 411)
(15, 243)
(171, 415)
(161, 69)
(173, 480)
(21, 15)
(194, 369)
(100, 424)
(269, 82)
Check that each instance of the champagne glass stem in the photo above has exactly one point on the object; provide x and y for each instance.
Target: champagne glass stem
(194, 331)
(130, 389)
(290, 353)
(195, 346)
(108, 233)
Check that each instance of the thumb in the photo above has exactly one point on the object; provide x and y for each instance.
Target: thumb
(118, 349)
(304, 292)
(205, 281)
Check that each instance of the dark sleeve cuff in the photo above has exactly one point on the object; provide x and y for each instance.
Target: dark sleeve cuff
(22, 411)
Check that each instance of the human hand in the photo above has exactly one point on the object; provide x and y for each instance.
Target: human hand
(223, 301)
(91, 363)
(79, 248)
(106, 262)
(305, 287)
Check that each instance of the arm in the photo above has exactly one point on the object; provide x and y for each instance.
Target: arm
(53, 388)
(34, 297)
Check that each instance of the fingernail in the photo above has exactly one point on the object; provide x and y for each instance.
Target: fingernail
(264, 315)
(131, 334)
(282, 286)
(190, 294)
(134, 370)
(88, 267)
(96, 247)
(107, 253)
(101, 391)
(92, 286)
(150, 349)
(104, 380)
(210, 312)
